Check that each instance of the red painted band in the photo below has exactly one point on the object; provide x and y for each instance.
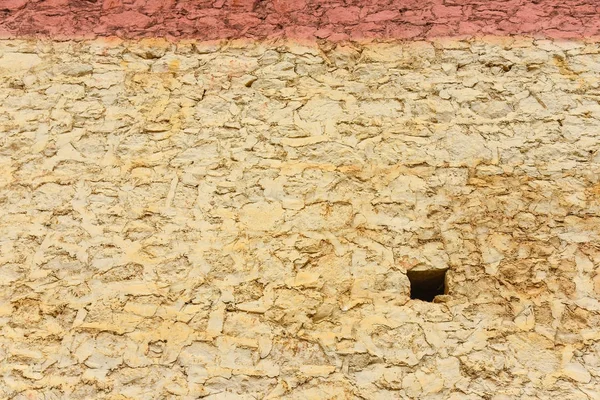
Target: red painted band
(298, 19)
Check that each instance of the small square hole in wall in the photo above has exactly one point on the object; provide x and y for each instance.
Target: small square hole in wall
(425, 285)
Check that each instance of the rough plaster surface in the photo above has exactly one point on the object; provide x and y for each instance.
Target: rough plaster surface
(236, 221)
(298, 19)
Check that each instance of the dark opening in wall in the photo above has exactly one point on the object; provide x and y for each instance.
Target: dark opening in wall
(425, 285)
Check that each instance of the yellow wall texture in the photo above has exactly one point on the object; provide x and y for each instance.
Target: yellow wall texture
(236, 220)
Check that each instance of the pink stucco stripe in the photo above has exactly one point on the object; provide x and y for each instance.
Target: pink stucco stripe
(298, 19)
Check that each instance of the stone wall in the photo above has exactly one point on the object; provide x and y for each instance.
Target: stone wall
(333, 20)
(236, 220)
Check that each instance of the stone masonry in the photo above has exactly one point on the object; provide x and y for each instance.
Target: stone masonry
(235, 219)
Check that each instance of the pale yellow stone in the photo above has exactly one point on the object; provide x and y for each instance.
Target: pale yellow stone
(317, 370)
(143, 310)
(184, 219)
(261, 216)
(216, 319)
(577, 372)
(19, 62)
(525, 319)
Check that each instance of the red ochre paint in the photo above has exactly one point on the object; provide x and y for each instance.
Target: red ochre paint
(334, 20)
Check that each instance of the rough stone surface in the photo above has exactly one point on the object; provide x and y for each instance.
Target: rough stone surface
(334, 20)
(235, 220)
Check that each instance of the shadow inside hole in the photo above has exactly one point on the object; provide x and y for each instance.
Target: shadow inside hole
(425, 285)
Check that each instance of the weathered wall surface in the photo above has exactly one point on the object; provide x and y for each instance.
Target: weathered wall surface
(298, 19)
(184, 219)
